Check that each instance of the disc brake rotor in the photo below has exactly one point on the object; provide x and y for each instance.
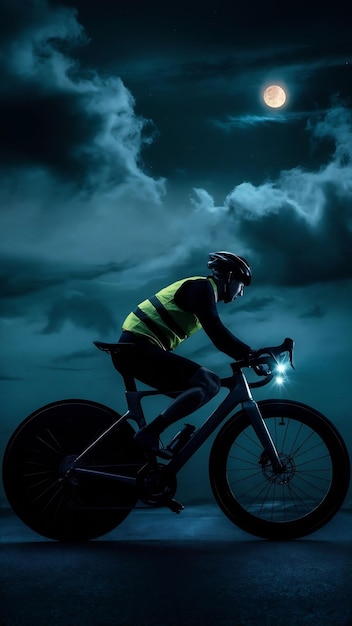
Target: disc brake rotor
(286, 473)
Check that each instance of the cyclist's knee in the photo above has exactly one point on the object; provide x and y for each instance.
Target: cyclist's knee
(207, 381)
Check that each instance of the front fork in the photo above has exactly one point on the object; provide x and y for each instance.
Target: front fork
(254, 415)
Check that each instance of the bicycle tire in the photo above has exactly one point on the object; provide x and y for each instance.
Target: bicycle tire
(86, 507)
(291, 505)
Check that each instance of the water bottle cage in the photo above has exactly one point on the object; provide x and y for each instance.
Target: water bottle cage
(180, 438)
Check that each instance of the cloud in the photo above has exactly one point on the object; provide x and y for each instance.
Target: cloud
(203, 201)
(27, 276)
(77, 124)
(83, 225)
(72, 183)
(294, 59)
(6, 378)
(51, 295)
(316, 311)
(243, 121)
(257, 304)
(23, 28)
(73, 356)
(297, 229)
(82, 310)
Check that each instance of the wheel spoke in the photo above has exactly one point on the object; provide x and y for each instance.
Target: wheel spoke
(287, 496)
(38, 480)
(300, 496)
(49, 445)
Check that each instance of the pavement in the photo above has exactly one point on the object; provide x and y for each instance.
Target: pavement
(162, 569)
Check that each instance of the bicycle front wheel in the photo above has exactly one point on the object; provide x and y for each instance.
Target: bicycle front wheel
(300, 499)
(39, 454)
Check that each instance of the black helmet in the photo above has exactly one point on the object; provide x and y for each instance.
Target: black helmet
(228, 265)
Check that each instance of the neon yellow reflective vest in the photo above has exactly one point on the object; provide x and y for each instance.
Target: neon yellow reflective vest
(161, 320)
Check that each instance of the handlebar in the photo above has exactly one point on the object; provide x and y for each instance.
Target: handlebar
(271, 355)
(264, 360)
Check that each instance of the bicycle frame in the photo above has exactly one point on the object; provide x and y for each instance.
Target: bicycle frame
(239, 393)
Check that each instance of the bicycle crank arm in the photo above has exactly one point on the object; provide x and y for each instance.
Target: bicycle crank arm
(252, 411)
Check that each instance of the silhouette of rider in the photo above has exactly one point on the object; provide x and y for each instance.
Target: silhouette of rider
(159, 324)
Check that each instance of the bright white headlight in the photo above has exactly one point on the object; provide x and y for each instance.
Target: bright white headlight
(281, 367)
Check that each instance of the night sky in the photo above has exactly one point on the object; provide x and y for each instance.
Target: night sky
(134, 141)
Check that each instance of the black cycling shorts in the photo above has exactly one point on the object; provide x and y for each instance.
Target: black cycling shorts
(154, 366)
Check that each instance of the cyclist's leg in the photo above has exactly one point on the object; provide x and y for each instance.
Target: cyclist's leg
(202, 386)
(169, 372)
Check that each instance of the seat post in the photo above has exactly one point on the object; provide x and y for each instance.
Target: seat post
(130, 383)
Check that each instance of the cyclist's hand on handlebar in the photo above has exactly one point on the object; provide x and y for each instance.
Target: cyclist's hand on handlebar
(263, 360)
(261, 369)
(253, 357)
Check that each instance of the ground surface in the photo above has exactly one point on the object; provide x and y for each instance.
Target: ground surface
(162, 569)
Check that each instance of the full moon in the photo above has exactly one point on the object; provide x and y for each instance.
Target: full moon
(274, 96)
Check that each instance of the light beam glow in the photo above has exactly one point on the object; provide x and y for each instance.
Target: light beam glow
(281, 368)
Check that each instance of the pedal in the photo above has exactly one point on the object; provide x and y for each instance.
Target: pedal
(176, 507)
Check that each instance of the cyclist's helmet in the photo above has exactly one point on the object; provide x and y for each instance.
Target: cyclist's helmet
(228, 266)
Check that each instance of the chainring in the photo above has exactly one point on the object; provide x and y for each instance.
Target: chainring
(156, 485)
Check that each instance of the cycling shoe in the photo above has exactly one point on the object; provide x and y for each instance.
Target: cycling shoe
(151, 442)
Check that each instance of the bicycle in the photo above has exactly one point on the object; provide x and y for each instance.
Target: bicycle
(278, 469)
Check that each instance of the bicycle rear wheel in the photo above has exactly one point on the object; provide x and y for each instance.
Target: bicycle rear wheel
(38, 455)
(295, 502)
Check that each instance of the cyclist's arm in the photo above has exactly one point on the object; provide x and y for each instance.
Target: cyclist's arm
(198, 297)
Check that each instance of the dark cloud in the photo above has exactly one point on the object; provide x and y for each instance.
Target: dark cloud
(18, 20)
(55, 294)
(297, 228)
(7, 378)
(47, 129)
(256, 304)
(23, 276)
(66, 369)
(316, 311)
(298, 252)
(55, 114)
(82, 311)
(289, 59)
(77, 354)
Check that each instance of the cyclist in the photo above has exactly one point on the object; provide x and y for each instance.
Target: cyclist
(159, 324)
